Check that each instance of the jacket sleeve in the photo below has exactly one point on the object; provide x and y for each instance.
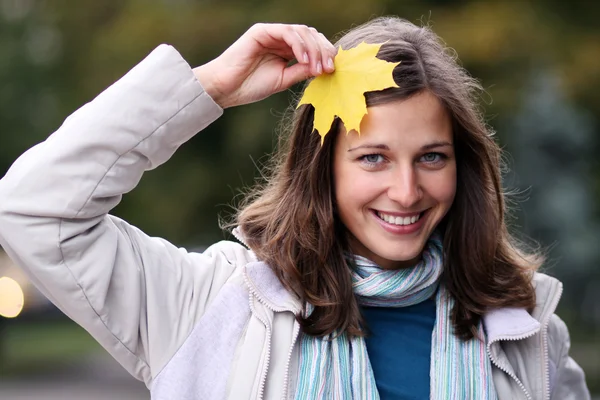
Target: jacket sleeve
(567, 377)
(138, 296)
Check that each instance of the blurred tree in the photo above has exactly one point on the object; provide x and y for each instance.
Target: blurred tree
(550, 147)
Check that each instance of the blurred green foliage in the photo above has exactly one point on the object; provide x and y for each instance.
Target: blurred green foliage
(538, 60)
(37, 348)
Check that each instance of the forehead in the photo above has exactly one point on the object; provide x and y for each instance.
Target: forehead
(418, 120)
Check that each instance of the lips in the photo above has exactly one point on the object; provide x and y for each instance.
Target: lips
(398, 219)
(415, 221)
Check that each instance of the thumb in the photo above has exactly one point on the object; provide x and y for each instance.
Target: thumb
(294, 74)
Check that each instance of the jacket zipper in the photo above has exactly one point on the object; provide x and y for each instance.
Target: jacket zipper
(263, 378)
(289, 360)
(253, 292)
(495, 362)
(554, 304)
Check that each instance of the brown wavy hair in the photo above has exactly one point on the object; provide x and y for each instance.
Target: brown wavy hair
(291, 223)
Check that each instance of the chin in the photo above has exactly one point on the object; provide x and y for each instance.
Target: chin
(389, 253)
(398, 259)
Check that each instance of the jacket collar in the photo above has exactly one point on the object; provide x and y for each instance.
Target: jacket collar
(267, 288)
(517, 323)
(509, 324)
(264, 284)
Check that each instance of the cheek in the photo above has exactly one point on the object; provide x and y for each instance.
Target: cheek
(355, 189)
(443, 189)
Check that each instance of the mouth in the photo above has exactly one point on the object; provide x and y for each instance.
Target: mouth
(405, 219)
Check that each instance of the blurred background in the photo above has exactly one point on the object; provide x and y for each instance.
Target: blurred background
(539, 62)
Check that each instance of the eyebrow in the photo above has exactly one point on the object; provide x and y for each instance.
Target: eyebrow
(429, 146)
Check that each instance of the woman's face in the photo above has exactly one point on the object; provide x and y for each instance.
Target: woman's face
(396, 180)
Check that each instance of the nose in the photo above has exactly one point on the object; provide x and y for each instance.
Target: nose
(404, 187)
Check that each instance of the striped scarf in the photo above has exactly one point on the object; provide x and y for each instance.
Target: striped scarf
(338, 367)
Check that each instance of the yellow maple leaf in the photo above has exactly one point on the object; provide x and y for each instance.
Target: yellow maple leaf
(341, 93)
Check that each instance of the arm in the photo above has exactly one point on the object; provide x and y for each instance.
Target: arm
(122, 286)
(138, 296)
(568, 380)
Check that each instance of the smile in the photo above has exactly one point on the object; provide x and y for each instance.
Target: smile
(399, 220)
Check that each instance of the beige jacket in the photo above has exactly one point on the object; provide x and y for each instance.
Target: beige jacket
(216, 325)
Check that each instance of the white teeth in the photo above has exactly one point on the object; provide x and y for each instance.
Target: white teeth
(390, 219)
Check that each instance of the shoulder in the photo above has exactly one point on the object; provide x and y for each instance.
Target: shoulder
(567, 378)
(558, 335)
(232, 253)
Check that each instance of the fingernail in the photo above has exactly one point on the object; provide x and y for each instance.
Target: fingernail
(330, 63)
(305, 57)
(319, 67)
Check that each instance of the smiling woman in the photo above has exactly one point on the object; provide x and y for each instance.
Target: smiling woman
(371, 266)
(436, 160)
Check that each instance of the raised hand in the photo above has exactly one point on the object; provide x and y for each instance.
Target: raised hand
(257, 64)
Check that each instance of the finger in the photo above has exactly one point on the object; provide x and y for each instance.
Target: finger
(287, 53)
(298, 45)
(294, 74)
(313, 47)
(328, 51)
(281, 40)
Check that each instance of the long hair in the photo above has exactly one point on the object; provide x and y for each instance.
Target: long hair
(291, 223)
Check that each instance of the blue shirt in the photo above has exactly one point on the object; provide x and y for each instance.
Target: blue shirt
(399, 348)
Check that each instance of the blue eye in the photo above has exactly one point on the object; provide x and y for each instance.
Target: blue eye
(372, 158)
(432, 158)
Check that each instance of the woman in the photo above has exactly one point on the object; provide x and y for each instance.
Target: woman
(373, 266)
